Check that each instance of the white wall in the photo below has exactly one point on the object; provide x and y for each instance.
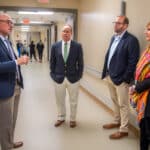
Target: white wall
(95, 30)
(138, 12)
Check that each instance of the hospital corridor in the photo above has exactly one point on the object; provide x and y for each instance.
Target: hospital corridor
(92, 54)
(37, 115)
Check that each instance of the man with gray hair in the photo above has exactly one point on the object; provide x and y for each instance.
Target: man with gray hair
(11, 82)
(66, 65)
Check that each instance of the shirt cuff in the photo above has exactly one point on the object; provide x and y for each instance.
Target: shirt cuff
(16, 62)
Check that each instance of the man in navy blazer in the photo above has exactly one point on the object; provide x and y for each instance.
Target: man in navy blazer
(66, 65)
(10, 83)
(119, 67)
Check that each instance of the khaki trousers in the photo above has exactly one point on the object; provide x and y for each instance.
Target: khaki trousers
(120, 98)
(8, 117)
(60, 92)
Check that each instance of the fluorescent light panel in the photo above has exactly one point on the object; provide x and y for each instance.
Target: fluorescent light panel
(34, 22)
(36, 13)
(25, 27)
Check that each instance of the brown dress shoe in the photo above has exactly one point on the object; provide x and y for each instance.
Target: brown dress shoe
(17, 144)
(59, 123)
(118, 135)
(111, 126)
(73, 124)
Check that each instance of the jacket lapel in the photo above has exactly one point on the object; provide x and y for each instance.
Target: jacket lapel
(70, 51)
(4, 48)
(121, 42)
(60, 50)
(124, 36)
(112, 39)
(13, 50)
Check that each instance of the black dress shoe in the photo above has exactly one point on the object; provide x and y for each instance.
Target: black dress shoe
(17, 144)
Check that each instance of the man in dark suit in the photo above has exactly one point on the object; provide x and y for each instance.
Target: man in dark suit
(66, 65)
(119, 67)
(10, 83)
(40, 48)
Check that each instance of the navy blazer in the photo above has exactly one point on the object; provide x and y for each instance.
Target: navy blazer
(7, 73)
(123, 62)
(73, 69)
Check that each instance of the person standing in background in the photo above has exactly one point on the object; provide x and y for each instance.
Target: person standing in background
(40, 48)
(19, 47)
(25, 49)
(66, 66)
(11, 82)
(119, 67)
(32, 51)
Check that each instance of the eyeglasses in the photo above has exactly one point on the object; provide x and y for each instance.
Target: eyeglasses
(118, 23)
(9, 22)
(148, 29)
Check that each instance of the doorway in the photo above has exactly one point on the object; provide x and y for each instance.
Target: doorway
(30, 26)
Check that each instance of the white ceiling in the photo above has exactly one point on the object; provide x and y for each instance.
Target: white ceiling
(46, 19)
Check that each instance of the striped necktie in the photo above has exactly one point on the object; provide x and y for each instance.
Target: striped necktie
(11, 52)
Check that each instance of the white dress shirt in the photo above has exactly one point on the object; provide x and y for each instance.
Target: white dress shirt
(113, 47)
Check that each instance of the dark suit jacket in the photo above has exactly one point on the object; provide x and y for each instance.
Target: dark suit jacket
(7, 73)
(73, 68)
(124, 60)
